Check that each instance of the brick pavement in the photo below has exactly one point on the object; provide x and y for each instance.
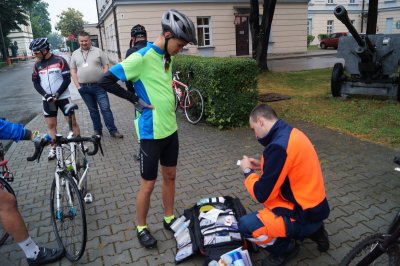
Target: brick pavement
(361, 185)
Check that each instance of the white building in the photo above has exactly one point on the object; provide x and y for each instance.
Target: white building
(321, 19)
(222, 25)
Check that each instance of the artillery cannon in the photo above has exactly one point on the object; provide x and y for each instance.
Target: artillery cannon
(371, 63)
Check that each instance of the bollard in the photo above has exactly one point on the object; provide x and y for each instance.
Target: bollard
(8, 61)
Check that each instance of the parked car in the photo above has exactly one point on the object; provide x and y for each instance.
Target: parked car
(332, 40)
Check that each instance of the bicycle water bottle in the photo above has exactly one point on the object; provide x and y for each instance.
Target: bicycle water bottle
(70, 168)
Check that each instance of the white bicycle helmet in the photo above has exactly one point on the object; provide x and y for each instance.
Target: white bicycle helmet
(179, 25)
(39, 44)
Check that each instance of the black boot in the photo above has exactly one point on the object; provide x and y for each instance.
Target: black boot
(321, 238)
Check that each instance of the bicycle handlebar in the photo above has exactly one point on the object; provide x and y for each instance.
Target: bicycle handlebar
(95, 139)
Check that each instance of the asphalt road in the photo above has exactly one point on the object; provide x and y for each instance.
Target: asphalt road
(19, 100)
(303, 63)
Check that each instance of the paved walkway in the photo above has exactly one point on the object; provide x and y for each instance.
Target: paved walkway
(361, 185)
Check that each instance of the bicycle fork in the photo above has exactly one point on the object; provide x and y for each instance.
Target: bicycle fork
(61, 182)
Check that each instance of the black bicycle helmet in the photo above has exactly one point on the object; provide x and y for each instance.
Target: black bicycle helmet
(138, 31)
(39, 44)
(179, 25)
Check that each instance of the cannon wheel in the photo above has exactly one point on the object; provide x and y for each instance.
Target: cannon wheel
(336, 80)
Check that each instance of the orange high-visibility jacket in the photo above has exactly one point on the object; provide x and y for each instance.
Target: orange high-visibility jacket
(291, 182)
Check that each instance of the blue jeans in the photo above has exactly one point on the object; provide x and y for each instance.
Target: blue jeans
(250, 223)
(95, 96)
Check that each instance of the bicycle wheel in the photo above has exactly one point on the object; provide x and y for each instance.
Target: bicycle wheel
(69, 221)
(176, 101)
(6, 187)
(194, 106)
(391, 257)
(81, 166)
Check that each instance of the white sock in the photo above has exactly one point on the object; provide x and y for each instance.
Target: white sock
(30, 248)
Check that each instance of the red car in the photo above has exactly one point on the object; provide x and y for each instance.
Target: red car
(332, 40)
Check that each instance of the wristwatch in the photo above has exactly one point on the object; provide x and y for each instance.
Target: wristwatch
(247, 171)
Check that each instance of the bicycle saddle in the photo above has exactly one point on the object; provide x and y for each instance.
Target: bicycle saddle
(69, 108)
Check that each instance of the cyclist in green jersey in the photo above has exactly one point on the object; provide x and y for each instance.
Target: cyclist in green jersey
(150, 71)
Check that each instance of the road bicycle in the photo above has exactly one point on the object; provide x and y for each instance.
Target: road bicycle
(69, 187)
(187, 98)
(380, 248)
(5, 177)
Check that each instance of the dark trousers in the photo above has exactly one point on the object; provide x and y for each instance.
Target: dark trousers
(94, 96)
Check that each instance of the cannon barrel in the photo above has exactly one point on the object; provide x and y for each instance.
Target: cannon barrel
(341, 14)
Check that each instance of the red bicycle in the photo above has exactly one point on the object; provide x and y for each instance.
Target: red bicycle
(5, 177)
(187, 98)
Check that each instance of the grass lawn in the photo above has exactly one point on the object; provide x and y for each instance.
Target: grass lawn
(370, 119)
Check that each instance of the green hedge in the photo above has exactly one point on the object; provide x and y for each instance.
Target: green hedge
(310, 39)
(229, 87)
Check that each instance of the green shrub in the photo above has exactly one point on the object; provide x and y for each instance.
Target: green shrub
(228, 85)
(310, 39)
(322, 36)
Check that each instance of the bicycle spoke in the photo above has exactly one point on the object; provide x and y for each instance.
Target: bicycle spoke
(194, 106)
(69, 221)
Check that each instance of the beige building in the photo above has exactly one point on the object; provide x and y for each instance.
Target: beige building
(23, 38)
(222, 26)
(322, 20)
(94, 32)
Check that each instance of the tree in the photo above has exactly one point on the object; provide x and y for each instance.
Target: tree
(71, 22)
(40, 19)
(261, 33)
(12, 14)
(55, 40)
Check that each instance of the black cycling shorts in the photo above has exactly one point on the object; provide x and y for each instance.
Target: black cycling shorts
(50, 109)
(153, 151)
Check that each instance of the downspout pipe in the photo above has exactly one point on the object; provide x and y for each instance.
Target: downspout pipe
(116, 32)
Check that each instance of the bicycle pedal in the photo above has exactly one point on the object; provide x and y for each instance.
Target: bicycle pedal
(88, 198)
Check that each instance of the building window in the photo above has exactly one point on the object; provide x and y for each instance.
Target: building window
(309, 26)
(352, 1)
(329, 27)
(330, 1)
(203, 31)
(389, 26)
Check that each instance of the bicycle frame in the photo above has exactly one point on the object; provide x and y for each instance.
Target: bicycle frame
(74, 150)
(391, 238)
(59, 169)
(179, 92)
(4, 171)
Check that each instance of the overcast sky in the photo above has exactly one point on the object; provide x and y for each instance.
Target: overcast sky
(86, 7)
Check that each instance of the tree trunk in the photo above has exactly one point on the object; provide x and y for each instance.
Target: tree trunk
(254, 25)
(260, 35)
(262, 48)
